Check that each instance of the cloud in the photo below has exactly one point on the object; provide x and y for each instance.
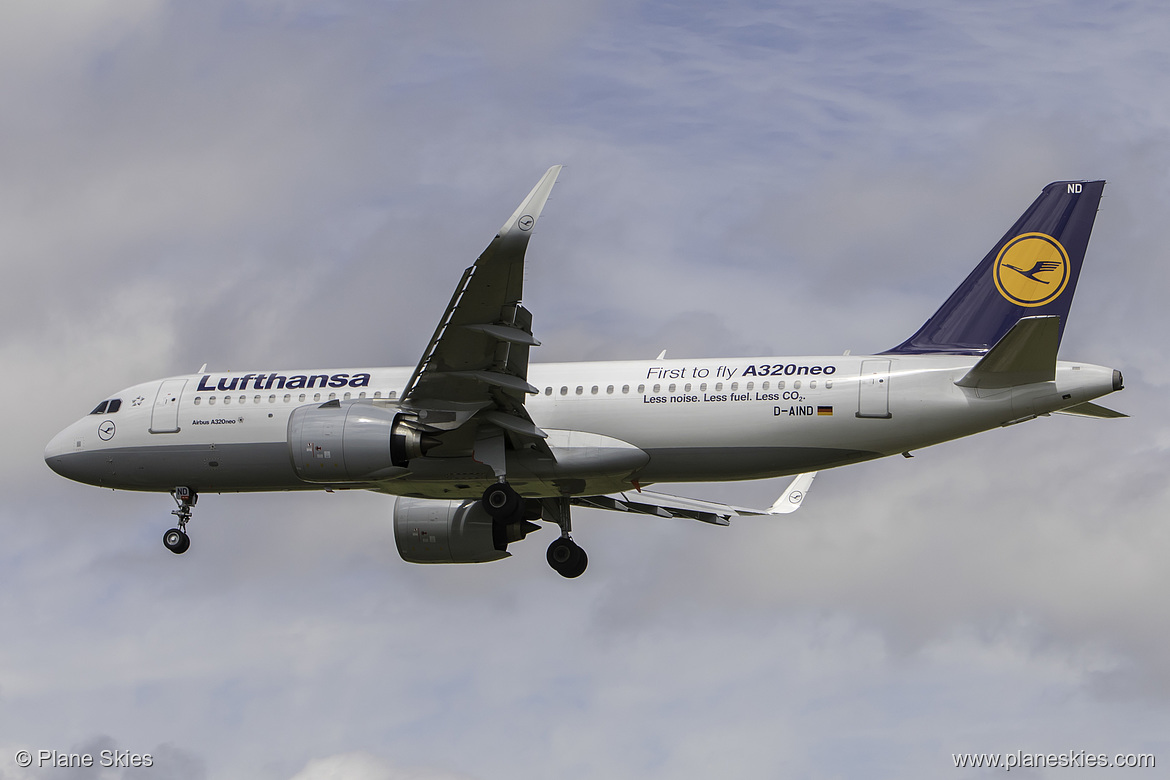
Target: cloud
(363, 766)
(256, 184)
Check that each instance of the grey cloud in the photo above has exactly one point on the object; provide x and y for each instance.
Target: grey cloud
(256, 184)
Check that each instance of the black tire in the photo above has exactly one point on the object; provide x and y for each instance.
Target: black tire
(577, 567)
(501, 501)
(176, 541)
(567, 558)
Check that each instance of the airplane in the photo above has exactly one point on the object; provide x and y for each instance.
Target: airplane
(477, 445)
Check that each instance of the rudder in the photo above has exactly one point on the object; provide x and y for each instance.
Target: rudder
(1031, 272)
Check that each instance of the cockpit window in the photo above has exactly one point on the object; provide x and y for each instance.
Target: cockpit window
(108, 407)
(101, 408)
(115, 405)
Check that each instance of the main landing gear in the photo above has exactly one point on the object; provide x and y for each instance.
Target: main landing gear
(508, 510)
(564, 555)
(176, 539)
(567, 558)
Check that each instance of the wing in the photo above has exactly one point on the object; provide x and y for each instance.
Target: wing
(476, 364)
(660, 505)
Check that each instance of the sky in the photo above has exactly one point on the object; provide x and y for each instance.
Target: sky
(255, 184)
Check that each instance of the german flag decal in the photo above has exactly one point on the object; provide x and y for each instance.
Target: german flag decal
(824, 411)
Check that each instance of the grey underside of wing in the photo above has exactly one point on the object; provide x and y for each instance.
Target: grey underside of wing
(660, 505)
(475, 368)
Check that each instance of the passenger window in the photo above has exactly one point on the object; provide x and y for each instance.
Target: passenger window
(657, 388)
(687, 389)
(812, 384)
(302, 399)
(580, 389)
(393, 395)
(828, 384)
(211, 401)
(796, 385)
(101, 408)
(594, 390)
(316, 396)
(227, 399)
(377, 394)
(718, 386)
(548, 391)
(609, 390)
(734, 386)
(672, 386)
(271, 399)
(287, 397)
(625, 388)
(256, 400)
(641, 389)
(198, 400)
(703, 387)
(564, 390)
(750, 385)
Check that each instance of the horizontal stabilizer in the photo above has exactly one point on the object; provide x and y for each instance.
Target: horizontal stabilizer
(1025, 355)
(1089, 409)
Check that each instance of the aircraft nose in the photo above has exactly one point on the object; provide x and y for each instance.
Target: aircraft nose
(56, 450)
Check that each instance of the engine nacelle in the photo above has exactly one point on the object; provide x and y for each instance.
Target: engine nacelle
(354, 441)
(428, 530)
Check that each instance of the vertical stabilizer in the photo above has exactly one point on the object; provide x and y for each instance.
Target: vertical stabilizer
(1031, 272)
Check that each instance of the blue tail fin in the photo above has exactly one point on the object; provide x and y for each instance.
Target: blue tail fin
(1031, 272)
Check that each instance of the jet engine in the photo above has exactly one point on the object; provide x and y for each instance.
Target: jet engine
(434, 531)
(356, 441)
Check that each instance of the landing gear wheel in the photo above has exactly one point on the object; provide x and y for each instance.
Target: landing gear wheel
(501, 501)
(567, 558)
(176, 541)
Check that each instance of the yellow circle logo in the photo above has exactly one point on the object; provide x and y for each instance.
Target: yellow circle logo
(1031, 270)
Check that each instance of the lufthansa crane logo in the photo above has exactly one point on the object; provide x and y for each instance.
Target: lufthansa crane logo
(1032, 269)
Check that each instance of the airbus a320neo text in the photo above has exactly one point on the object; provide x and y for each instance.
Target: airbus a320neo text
(478, 444)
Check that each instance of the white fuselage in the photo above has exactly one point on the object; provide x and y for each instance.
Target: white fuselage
(609, 424)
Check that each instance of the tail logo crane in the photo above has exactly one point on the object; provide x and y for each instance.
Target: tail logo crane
(1032, 269)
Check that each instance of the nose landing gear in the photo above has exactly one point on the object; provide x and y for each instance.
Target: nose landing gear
(176, 539)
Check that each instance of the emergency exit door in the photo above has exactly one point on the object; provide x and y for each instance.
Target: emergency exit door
(873, 395)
